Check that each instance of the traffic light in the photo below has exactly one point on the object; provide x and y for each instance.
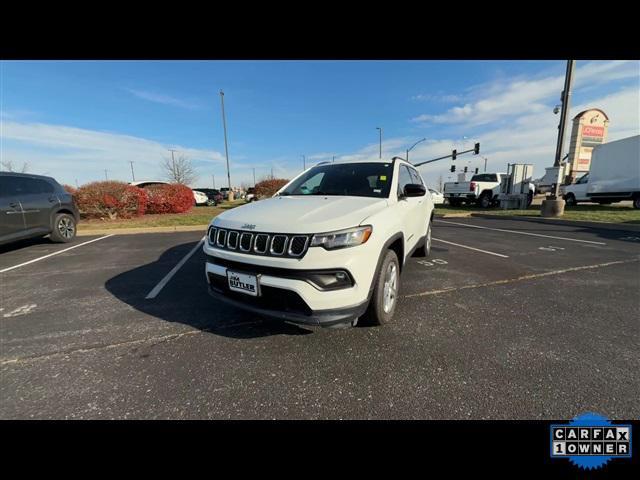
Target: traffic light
(476, 148)
(465, 169)
(453, 168)
(454, 153)
(476, 170)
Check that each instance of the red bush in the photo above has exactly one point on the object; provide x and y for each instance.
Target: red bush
(172, 198)
(266, 188)
(110, 200)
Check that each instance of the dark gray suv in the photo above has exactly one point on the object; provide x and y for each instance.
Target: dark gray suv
(35, 206)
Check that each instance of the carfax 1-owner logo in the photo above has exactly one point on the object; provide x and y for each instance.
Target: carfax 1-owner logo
(590, 440)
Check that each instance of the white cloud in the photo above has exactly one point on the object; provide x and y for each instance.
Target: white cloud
(163, 99)
(70, 153)
(440, 97)
(503, 99)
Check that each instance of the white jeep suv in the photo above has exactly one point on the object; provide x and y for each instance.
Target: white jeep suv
(327, 248)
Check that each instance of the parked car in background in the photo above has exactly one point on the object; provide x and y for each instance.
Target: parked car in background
(436, 196)
(35, 206)
(225, 193)
(251, 195)
(577, 192)
(213, 194)
(483, 190)
(199, 198)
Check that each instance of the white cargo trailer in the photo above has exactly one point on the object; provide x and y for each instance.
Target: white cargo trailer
(615, 172)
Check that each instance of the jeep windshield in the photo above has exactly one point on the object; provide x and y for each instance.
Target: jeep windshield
(349, 179)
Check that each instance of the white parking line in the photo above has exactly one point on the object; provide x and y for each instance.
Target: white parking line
(55, 253)
(158, 288)
(523, 233)
(471, 248)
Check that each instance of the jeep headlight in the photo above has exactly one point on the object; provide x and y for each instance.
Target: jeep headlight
(342, 238)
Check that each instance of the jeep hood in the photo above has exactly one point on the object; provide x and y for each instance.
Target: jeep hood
(301, 214)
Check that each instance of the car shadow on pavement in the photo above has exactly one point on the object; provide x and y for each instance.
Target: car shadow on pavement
(20, 244)
(184, 299)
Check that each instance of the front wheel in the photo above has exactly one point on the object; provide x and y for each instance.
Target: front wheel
(64, 228)
(570, 200)
(385, 293)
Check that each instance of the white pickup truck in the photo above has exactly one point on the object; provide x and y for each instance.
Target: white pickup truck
(483, 190)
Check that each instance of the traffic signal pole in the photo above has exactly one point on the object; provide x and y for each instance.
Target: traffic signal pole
(454, 154)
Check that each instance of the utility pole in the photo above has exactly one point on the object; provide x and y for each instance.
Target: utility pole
(213, 179)
(226, 148)
(132, 174)
(380, 130)
(254, 176)
(304, 163)
(334, 159)
(271, 173)
(173, 164)
(554, 207)
(485, 164)
(106, 177)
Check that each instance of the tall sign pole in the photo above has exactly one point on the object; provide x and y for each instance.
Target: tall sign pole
(566, 100)
(554, 206)
(226, 148)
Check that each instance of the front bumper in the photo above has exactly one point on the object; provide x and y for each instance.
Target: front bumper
(322, 318)
(286, 295)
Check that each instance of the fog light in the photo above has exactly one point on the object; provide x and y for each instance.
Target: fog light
(330, 280)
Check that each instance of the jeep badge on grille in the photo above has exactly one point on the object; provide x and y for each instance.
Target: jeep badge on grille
(248, 226)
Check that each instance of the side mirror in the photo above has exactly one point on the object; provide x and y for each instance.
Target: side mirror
(414, 190)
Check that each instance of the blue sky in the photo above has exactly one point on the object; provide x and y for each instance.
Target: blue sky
(74, 119)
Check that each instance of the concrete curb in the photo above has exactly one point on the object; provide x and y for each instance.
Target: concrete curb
(133, 231)
(552, 221)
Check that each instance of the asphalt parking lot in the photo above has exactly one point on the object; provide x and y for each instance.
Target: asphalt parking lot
(507, 319)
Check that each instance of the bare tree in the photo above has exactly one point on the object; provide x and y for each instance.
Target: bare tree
(8, 166)
(178, 170)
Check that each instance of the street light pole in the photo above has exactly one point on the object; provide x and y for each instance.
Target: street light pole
(105, 174)
(380, 130)
(213, 179)
(254, 176)
(226, 148)
(304, 163)
(411, 148)
(132, 174)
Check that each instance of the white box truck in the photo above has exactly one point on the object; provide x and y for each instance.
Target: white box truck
(615, 172)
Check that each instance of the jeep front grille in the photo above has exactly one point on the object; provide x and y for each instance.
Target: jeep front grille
(259, 243)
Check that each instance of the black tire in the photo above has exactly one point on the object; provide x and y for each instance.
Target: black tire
(376, 314)
(64, 228)
(529, 199)
(425, 249)
(570, 200)
(485, 200)
(636, 202)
